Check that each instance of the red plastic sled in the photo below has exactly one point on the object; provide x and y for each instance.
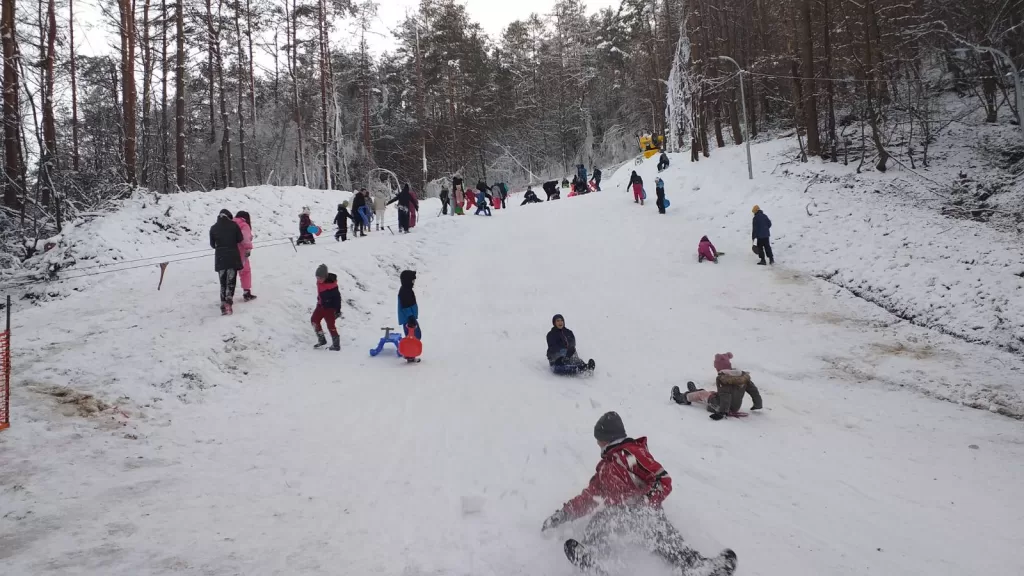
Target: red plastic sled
(410, 346)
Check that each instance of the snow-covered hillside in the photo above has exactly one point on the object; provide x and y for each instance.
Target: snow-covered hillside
(217, 445)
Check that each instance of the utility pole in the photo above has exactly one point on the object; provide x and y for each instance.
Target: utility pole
(746, 131)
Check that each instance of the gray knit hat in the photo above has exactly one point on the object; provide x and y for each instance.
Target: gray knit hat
(609, 428)
(321, 271)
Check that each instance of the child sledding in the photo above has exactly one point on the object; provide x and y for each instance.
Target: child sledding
(625, 496)
(562, 356)
(730, 387)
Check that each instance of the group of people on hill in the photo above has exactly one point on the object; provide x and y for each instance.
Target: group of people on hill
(636, 184)
(462, 201)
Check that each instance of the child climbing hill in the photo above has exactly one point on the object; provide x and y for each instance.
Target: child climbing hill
(328, 307)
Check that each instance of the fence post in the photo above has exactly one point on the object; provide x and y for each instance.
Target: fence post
(5, 371)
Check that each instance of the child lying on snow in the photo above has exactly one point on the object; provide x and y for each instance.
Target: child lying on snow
(707, 251)
(730, 387)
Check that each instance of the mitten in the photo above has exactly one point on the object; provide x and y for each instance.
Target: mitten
(555, 520)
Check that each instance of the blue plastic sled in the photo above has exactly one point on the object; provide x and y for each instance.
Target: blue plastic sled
(666, 203)
(389, 337)
(364, 213)
(644, 195)
(313, 229)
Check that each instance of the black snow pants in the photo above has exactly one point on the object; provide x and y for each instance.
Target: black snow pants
(764, 248)
(403, 219)
(228, 278)
(641, 526)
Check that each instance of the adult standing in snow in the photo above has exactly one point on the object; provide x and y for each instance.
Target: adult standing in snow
(404, 199)
(225, 236)
(597, 179)
(244, 250)
(562, 355)
(443, 196)
(380, 206)
(761, 235)
(659, 189)
(629, 486)
(358, 210)
(637, 183)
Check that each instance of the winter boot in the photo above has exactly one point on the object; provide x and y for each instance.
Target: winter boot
(577, 554)
(762, 263)
(227, 307)
(248, 296)
(679, 397)
(321, 340)
(223, 308)
(591, 365)
(335, 342)
(724, 564)
(691, 387)
(771, 261)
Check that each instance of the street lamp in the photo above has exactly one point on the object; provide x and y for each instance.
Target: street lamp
(746, 132)
(1013, 67)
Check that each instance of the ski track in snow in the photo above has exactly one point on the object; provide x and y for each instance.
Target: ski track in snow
(234, 448)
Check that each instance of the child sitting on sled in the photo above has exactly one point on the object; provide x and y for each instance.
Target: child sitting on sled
(707, 251)
(730, 387)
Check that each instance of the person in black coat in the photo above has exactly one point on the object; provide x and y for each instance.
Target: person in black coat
(404, 199)
(663, 162)
(225, 236)
(551, 189)
(358, 203)
(562, 356)
(597, 179)
(530, 197)
(760, 234)
(341, 219)
(445, 199)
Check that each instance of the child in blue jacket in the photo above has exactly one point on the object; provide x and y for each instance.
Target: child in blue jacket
(407, 307)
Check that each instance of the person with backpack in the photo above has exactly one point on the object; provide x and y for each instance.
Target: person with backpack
(761, 235)
(625, 496)
(225, 237)
(637, 183)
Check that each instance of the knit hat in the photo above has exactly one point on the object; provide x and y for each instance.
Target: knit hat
(609, 428)
(321, 271)
(225, 213)
(755, 209)
(557, 317)
(723, 361)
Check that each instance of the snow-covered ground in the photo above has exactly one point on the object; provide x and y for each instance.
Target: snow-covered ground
(215, 445)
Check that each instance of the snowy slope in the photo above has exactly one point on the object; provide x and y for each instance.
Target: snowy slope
(235, 448)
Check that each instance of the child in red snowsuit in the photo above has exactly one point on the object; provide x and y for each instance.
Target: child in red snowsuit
(706, 251)
(631, 485)
(328, 307)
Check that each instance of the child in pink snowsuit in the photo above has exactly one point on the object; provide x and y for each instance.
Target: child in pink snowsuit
(706, 251)
(244, 248)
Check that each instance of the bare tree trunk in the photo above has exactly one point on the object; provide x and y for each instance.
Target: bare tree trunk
(364, 87)
(14, 168)
(871, 85)
(252, 89)
(165, 152)
(128, 94)
(48, 162)
(211, 78)
(179, 98)
(325, 148)
(225, 142)
(810, 102)
(74, 86)
(831, 94)
(147, 93)
(300, 155)
(241, 82)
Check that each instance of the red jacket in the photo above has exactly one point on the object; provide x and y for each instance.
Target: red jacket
(626, 475)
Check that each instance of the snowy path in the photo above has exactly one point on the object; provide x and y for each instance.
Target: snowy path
(337, 463)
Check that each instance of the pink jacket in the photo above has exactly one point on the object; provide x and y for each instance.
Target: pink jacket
(246, 244)
(705, 249)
